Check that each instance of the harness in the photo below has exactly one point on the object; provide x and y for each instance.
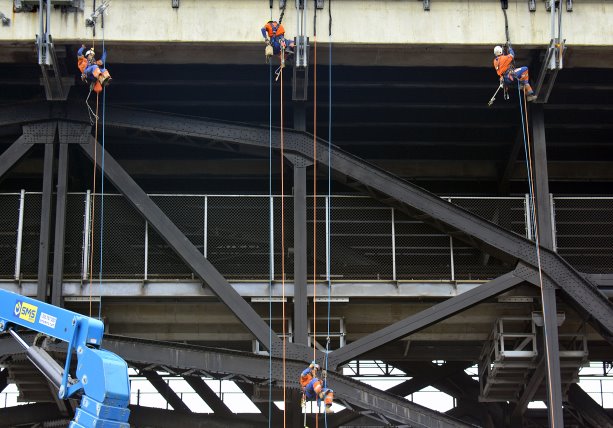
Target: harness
(274, 37)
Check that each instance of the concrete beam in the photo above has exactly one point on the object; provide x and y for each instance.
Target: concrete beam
(458, 23)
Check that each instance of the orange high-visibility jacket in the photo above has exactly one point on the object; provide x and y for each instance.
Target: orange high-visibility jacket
(503, 62)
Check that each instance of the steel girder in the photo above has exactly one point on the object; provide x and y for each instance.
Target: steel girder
(45, 223)
(544, 234)
(31, 134)
(462, 387)
(423, 379)
(181, 244)
(424, 318)
(245, 367)
(391, 190)
(60, 227)
(165, 391)
(3, 379)
(39, 413)
(184, 360)
(208, 395)
(161, 418)
(589, 409)
(13, 154)
(30, 414)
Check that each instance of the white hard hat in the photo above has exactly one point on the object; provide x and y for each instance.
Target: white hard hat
(90, 52)
(498, 50)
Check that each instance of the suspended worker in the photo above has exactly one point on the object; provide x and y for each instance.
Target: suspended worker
(508, 74)
(313, 388)
(274, 37)
(92, 71)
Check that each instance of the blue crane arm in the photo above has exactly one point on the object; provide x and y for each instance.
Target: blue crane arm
(101, 376)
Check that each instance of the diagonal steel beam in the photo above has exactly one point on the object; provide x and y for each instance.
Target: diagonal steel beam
(424, 319)
(4, 374)
(588, 408)
(208, 395)
(30, 414)
(422, 380)
(14, 153)
(248, 367)
(142, 416)
(273, 415)
(181, 244)
(443, 214)
(166, 391)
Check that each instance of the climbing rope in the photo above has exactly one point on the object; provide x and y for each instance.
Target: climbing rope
(96, 117)
(271, 240)
(315, 185)
(283, 249)
(94, 173)
(315, 192)
(533, 214)
(93, 212)
(102, 188)
(329, 204)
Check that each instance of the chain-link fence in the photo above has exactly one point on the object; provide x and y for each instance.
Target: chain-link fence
(584, 233)
(472, 263)
(361, 239)
(238, 235)
(123, 239)
(76, 204)
(187, 213)
(422, 252)
(9, 224)
(368, 240)
(31, 235)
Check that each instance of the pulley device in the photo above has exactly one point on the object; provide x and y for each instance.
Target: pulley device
(554, 57)
(301, 54)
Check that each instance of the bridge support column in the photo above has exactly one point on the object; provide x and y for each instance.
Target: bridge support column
(548, 292)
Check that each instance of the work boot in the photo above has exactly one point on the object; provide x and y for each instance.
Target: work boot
(530, 97)
(329, 409)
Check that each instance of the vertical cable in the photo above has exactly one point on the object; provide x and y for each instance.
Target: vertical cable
(329, 204)
(533, 212)
(271, 239)
(93, 211)
(102, 186)
(315, 190)
(315, 186)
(283, 248)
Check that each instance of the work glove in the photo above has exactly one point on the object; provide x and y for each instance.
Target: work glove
(268, 52)
(267, 41)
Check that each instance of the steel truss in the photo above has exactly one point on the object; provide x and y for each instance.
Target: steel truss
(188, 360)
(353, 171)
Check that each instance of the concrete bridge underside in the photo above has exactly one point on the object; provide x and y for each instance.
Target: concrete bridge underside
(410, 89)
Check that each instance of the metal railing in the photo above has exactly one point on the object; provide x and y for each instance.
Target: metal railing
(368, 240)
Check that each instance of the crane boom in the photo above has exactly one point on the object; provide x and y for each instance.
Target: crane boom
(101, 376)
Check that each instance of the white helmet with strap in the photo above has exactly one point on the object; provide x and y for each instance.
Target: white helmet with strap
(498, 50)
(90, 52)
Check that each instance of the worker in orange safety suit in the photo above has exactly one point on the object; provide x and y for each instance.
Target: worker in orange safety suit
(508, 75)
(313, 388)
(93, 71)
(274, 37)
